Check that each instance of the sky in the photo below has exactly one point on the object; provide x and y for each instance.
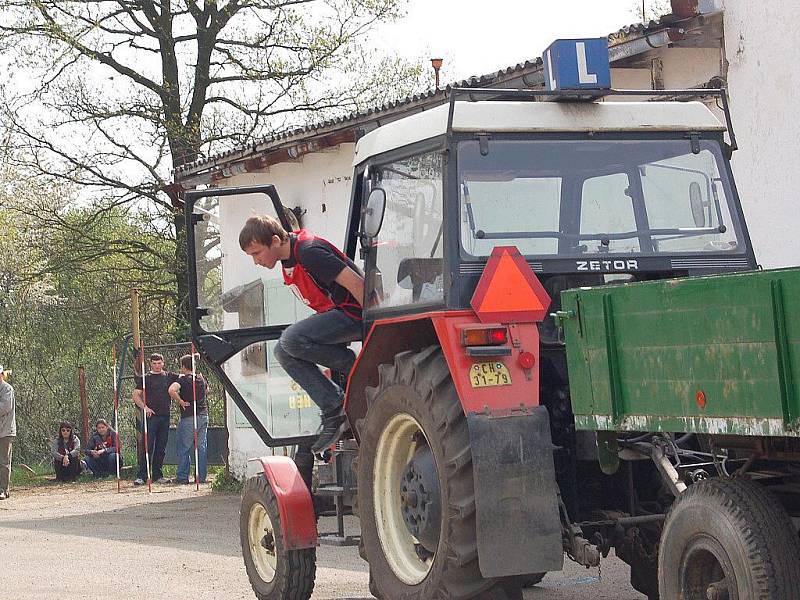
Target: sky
(476, 37)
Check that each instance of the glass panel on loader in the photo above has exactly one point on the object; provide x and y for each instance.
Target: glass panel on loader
(278, 402)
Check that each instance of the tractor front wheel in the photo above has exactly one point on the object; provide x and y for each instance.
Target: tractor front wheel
(274, 572)
(416, 493)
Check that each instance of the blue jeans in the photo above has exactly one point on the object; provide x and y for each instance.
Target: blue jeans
(157, 436)
(320, 339)
(103, 465)
(185, 446)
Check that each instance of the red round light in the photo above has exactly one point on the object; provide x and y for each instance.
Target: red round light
(700, 398)
(526, 360)
(498, 336)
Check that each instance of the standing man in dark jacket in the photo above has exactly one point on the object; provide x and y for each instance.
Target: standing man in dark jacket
(156, 409)
(327, 281)
(183, 392)
(8, 430)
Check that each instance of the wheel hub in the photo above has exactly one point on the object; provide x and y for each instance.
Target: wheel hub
(420, 498)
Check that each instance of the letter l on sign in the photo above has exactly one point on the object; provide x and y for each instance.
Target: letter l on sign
(583, 71)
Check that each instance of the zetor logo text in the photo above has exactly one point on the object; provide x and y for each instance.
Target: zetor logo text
(608, 265)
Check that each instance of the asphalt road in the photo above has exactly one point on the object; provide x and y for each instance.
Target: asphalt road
(65, 542)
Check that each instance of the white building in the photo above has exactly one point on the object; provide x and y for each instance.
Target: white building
(747, 46)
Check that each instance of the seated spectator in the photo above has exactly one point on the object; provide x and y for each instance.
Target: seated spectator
(101, 450)
(66, 451)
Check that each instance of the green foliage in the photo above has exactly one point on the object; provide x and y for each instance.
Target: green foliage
(65, 300)
(226, 482)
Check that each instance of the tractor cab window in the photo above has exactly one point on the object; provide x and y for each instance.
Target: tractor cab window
(408, 250)
(582, 197)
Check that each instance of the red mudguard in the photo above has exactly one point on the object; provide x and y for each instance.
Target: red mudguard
(298, 521)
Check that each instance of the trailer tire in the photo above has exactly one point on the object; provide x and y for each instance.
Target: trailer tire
(728, 533)
(415, 407)
(276, 573)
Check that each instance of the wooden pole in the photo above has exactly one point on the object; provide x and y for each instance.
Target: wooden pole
(84, 403)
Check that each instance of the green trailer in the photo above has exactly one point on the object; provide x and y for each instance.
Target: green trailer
(700, 378)
(708, 355)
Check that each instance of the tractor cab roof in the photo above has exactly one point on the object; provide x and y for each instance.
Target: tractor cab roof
(541, 117)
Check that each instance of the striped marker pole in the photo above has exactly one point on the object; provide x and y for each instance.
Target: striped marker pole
(116, 411)
(194, 408)
(144, 419)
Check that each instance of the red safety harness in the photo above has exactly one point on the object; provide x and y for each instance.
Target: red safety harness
(307, 290)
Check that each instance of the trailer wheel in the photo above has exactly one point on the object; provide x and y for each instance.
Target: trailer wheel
(416, 493)
(274, 573)
(728, 539)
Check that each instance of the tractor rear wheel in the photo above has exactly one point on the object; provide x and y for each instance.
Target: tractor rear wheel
(416, 493)
(274, 572)
(728, 539)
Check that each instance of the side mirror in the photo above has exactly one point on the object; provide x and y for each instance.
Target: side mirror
(373, 213)
(697, 204)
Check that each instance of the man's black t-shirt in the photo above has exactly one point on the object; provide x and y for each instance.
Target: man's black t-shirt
(158, 391)
(187, 394)
(323, 265)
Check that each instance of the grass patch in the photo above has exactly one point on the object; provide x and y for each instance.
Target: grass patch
(30, 475)
(224, 481)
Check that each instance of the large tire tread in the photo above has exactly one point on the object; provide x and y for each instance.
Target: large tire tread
(771, 543)
(296, 570)
(426, 377)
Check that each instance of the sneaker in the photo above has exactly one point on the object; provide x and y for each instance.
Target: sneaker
(162, 480)
(138, 481)
(3, 495)
(333, 427)
(182, 481)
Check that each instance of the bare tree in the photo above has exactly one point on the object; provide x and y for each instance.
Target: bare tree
(110, 96)
(651, 10)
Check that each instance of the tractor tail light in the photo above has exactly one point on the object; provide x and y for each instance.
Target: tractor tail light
(495, 335)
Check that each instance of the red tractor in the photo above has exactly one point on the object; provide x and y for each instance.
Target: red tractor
(462, 461)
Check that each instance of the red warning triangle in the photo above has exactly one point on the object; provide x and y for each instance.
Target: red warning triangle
(509, 291)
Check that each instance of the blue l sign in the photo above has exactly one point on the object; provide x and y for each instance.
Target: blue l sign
(577, 65)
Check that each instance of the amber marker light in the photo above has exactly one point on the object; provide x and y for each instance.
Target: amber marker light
(484, 336)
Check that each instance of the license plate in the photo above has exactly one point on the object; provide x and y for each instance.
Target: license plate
(489, 374)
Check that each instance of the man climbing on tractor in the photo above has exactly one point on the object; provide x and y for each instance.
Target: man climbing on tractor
(328, 282)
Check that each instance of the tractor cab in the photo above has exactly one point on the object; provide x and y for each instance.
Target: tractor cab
(589, 192)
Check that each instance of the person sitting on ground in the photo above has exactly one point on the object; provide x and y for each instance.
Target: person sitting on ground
(183, 392)
(66, 451)
(101, 450)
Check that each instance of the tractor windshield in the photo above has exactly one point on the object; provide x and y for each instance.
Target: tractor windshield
(583, 197)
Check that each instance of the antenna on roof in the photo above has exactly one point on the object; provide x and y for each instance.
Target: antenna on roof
(436, 63)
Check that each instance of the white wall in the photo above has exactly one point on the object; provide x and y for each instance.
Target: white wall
(762, 47)
(319, 183)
